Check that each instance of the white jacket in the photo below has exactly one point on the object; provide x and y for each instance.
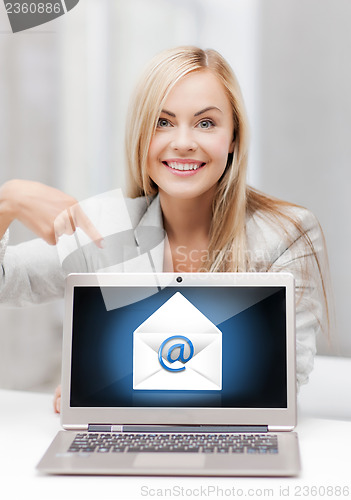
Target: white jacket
(33, 272)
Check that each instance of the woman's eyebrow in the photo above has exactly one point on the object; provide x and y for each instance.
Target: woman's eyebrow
(209, 108)
(169, 113)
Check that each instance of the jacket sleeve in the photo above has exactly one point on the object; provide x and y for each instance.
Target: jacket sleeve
(298, 256)
(30, 273)
(3, 245)
(292, 250)
(33, 272)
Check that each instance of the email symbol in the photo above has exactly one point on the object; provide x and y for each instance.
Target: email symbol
(177, 348)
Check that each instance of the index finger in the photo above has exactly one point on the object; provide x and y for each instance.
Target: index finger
(81, 220)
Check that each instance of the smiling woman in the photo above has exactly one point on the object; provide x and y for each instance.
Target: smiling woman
(187, 150)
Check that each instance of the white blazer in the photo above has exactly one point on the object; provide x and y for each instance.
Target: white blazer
(34, 272)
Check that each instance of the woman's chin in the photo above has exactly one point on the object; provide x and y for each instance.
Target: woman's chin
(186, 194)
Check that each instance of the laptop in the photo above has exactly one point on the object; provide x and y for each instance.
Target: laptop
(178, 374)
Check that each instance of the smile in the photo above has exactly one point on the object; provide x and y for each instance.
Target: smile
(184, 165)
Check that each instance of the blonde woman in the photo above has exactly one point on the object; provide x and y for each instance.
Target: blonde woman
(187, 152)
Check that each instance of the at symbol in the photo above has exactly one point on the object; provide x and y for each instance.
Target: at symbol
(181, 353)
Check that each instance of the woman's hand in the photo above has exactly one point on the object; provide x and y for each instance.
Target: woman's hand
(57, 399)
(46, 211)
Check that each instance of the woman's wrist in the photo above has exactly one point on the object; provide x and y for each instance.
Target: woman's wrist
(3, 245)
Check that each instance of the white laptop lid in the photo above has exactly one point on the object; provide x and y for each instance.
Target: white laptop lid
(179, 349)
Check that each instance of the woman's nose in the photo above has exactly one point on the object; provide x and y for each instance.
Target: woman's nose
(183, 140)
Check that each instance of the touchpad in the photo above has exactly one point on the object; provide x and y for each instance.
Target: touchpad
(167, 460)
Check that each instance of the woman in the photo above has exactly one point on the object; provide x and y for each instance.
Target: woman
(187, 150)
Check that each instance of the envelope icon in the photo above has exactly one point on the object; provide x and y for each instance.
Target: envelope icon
(177, 348)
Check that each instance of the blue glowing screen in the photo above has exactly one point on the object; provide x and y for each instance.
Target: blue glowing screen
(108, 325)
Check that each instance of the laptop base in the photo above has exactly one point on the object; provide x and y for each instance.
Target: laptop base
(285, 463)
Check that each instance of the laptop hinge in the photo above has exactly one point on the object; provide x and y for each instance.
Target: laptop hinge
(177, 428)
(104, 428)
(195, 428)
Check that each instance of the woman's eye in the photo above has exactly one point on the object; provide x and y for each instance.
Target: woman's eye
(162, 122)
(206, 124)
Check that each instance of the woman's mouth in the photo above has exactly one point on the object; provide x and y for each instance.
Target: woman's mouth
(184, 167)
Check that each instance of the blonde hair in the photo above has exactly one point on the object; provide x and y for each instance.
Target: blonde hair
(229, 206)
(233, 200)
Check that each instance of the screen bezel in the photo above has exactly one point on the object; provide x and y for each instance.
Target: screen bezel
(275, 418)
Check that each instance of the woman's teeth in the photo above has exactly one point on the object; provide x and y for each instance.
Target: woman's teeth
(184, 166)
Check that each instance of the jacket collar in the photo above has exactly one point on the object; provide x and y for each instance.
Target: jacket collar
(150, 236)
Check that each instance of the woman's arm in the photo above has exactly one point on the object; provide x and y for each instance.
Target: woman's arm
(281, 247)
(45, 210)
(35, 205)
(31, 272)
(304, 255)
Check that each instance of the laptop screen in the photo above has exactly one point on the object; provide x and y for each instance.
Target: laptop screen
(213, 347)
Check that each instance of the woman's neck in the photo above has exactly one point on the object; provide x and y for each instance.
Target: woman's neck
(187, 224)
(185, 220)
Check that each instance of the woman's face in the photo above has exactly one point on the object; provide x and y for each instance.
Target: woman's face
(189, 151)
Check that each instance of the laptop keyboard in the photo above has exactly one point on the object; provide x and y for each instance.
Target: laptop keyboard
(185, 443)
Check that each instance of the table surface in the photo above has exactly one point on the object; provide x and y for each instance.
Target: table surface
(28, 424)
